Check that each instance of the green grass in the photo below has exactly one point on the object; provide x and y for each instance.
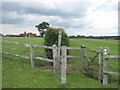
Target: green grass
(17, 72)
(94, 44)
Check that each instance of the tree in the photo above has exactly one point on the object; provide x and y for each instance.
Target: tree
(51, 37)
(41, 27)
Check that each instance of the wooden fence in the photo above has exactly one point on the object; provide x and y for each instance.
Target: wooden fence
(64, 57)
(31, 57)
(102, 62)
(60, 60)
(106, 65)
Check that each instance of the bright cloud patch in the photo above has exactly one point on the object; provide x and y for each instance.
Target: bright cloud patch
(85, 17)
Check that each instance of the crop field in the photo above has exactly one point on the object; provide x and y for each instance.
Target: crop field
(17, 73)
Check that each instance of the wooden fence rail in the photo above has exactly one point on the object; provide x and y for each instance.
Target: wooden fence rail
(27, 57)
(73, 47)
(60, 59)
(112, 72)
(70, 56)
(31, 57)
(28, 45)
(95, 51)
(17, 55)
(113, 57)
(106, 65)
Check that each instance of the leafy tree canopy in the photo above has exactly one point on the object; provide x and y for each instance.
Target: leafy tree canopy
(51, 37)
(41, 27)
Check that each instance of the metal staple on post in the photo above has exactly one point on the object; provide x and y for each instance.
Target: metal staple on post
(105, 65)
(31, 55)
(83, 58)
(55, 60)
(63, 65)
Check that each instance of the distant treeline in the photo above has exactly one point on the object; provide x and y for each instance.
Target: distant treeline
(96, 37)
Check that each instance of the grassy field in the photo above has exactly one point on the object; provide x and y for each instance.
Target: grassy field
(18, 74)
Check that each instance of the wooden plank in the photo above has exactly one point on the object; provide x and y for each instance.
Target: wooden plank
(113, 57)
(31, 56)
(83, 58)
(100, 67)
(48, 47)
(105, 69)
(24, 44)
(39, 58)
(43, 59)
(93, 58)
(17, 55)
(108, 72)
(58, 60)
(69, 65)
(86, 56)
(63, 65)
(73, 48)
(55, 59)
(95, 51)
(69, 56)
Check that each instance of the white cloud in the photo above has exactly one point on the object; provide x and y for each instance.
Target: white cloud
(13, 29)
(95, 17)
(102, 19)
(74, 31)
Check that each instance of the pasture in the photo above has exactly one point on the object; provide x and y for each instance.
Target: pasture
(17, 72)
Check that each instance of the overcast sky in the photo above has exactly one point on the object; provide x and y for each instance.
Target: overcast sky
(83, 17)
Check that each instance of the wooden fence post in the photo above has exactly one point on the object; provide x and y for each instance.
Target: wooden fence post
(31, 55)
(63, 65)
(83, 58)
(59, 52)
(58, 60)
(100, 66)
(105, 66)
(55, 59)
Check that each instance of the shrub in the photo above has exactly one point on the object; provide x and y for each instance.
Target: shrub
(51, 37)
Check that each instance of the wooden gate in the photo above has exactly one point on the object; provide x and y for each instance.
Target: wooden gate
(92, 63)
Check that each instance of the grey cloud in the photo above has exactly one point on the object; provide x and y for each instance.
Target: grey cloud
(12, 18)
(10, 13)
(67, 11)
(0, 13)
(68, 24)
